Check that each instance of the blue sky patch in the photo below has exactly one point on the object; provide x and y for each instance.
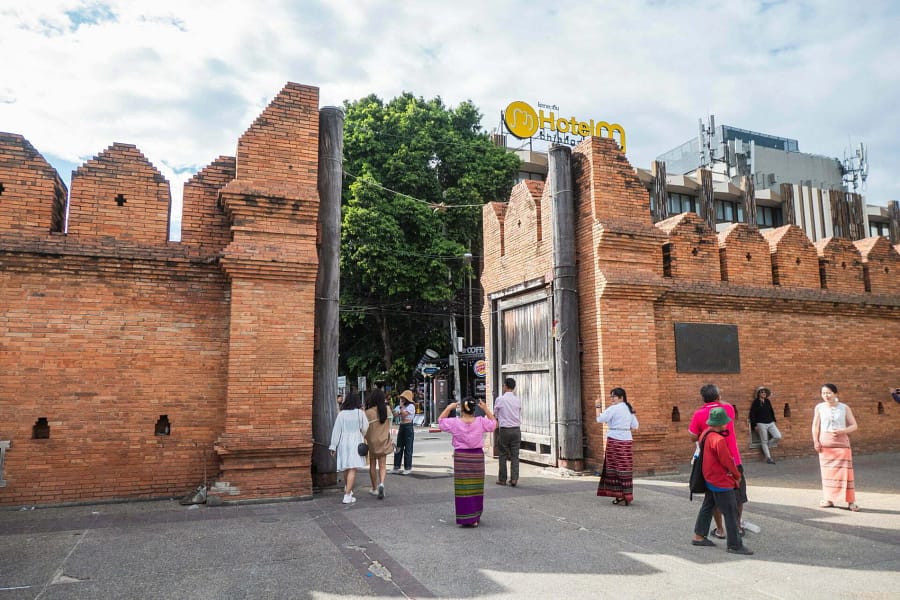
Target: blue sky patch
(90, 15)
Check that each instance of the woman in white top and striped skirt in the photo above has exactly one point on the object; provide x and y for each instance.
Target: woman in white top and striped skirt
(618, 462)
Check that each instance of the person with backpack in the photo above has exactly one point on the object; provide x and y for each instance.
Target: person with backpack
(712, 398)
(722, 479)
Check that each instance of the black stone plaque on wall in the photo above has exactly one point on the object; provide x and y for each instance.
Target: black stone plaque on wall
(706, 348)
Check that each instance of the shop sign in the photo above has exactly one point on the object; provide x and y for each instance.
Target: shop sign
(524, 122)
(480, 368)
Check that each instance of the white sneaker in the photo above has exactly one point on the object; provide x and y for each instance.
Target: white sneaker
(373, 492)
(394, 471)
(406, 472)
(348, 499)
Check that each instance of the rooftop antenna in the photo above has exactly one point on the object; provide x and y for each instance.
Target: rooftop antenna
(708, 151)
(855, 169)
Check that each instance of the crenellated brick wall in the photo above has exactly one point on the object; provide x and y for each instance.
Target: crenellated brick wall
(119, 195)
(109, 329)
(32, 194)
(637, 280)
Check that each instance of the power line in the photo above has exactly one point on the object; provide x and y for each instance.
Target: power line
(435, 206)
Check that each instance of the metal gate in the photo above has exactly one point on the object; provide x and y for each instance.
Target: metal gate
(524, 351)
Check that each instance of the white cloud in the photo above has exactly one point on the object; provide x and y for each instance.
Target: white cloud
(183, 80)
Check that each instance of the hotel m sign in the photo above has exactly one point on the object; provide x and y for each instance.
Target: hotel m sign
(524, 122)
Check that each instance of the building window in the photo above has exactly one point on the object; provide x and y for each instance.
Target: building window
(879, 228)
(729, 212)
(682, 203)
(769, 216)
(527, 176)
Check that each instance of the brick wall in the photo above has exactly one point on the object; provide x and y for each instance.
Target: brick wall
(119, 195)
(519, 225)
(108, 328)
(793, 334)
(32, 194)
(204, 226)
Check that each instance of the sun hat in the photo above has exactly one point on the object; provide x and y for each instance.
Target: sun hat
(408, 395)
(718, 417)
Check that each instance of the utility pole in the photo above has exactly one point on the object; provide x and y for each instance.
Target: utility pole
(454, 359)
(565, 310)
(325, 356)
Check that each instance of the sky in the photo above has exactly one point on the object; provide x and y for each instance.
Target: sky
(183, 80)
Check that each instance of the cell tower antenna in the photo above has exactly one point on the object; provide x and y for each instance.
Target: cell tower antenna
(707, 135)
(855, 168)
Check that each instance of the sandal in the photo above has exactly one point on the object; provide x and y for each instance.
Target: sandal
(826, 504)
(716, 533)
(618, 500)
(853, 507)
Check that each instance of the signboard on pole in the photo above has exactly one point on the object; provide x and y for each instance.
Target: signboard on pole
(361, 382)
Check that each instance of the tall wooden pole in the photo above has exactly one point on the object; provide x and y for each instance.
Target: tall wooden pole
(787, 204)
(894, 226)
(748, 193)
(565, 310)
(660, 194)
(707, 203)
(325, 361)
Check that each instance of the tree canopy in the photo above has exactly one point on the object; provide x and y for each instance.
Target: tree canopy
(416, 175)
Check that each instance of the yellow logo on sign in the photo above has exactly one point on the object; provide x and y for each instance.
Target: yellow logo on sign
(523, 122)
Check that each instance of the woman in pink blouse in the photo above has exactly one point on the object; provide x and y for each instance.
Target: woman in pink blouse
(468, 457)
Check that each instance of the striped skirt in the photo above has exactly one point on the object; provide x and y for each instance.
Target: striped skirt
(615, 479)
(837, 475)
(468, 484)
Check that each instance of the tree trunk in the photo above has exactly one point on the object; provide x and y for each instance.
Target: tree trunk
(385, 333)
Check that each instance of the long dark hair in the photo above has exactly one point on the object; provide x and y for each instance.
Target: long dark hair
(376, 399)
(620, 393)
(351, 401)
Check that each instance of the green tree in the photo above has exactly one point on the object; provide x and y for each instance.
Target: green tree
(416, 175)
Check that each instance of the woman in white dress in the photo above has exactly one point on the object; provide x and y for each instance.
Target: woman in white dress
(348, 432)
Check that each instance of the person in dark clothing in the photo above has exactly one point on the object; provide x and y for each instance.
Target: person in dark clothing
(762, 419)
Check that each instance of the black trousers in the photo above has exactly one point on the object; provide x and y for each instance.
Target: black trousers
(509, 440)
(726, 502)
(405, 436)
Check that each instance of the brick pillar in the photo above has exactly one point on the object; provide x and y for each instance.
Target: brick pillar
(620, 277)
(266, 446)
(271, 261)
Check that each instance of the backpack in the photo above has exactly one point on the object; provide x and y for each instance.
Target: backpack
(697, 484)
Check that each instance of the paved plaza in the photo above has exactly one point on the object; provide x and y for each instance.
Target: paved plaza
(551, 537)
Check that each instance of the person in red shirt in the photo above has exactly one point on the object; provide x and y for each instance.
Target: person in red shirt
(722, 479)
(712, 398)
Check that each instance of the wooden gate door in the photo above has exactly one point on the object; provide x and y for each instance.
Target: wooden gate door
(524, 351)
